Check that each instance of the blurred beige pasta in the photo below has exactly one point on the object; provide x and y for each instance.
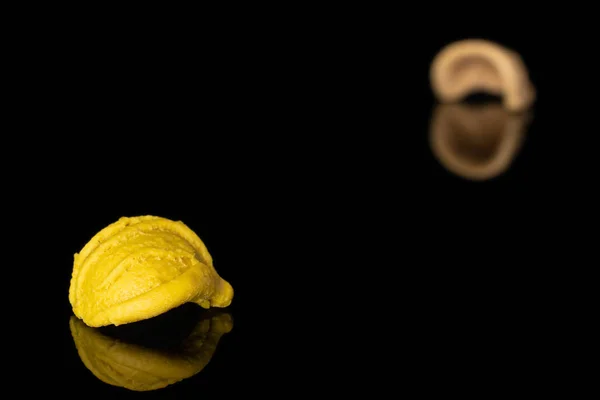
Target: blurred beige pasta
(479, 66)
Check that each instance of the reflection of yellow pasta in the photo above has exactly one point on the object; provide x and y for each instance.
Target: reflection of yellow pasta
(140, 267)
(141, 369)
(468, 66)
(476, 142)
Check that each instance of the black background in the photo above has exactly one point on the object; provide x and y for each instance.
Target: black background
(297, 148)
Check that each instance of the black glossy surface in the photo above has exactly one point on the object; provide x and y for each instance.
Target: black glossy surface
(304, 162)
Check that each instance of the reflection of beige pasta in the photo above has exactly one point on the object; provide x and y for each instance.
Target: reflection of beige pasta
(472, 65)
(476, 142)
